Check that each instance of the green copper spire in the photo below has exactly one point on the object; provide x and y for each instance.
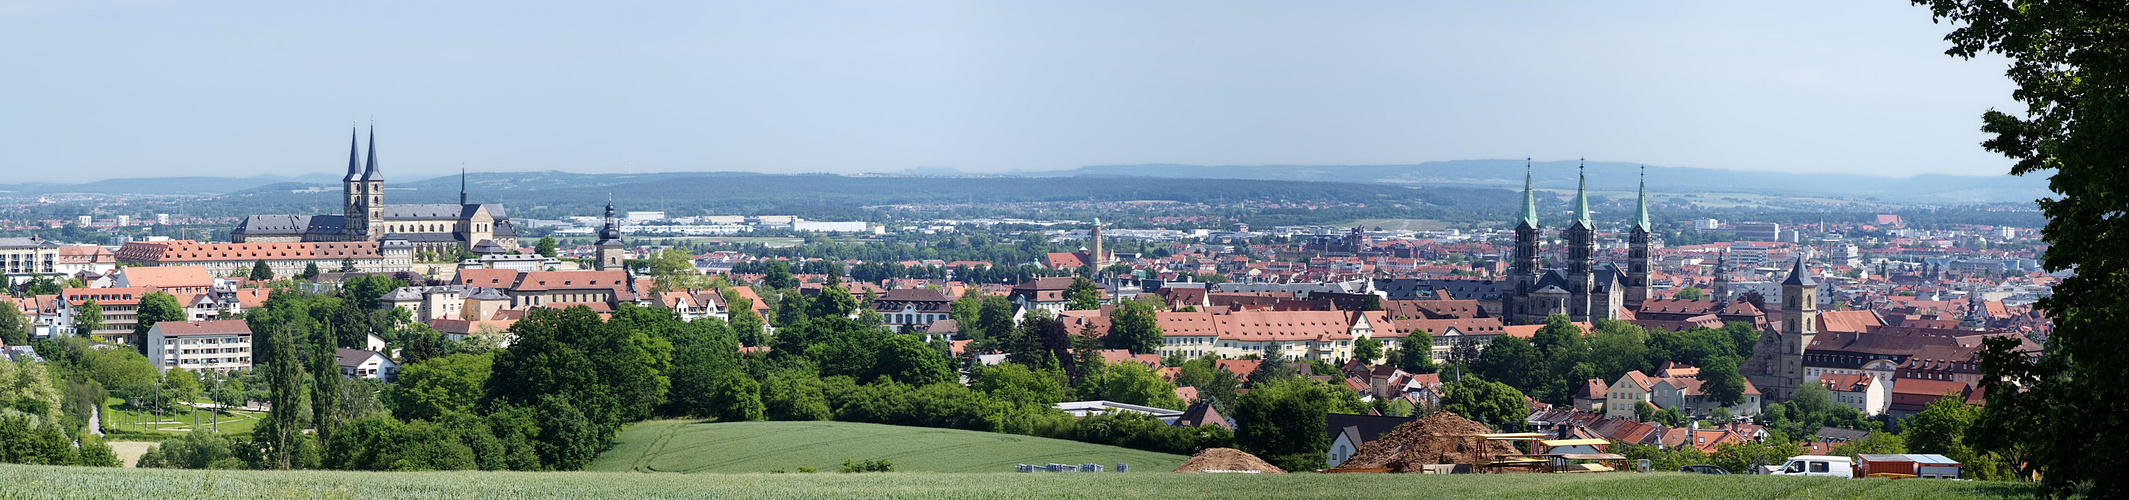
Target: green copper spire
(1530, 201)
(1641, 204)
(1582, 198)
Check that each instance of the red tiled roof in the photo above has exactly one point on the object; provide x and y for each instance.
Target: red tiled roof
(220, 327)
(158, 252)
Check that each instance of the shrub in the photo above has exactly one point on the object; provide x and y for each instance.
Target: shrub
(881, 465)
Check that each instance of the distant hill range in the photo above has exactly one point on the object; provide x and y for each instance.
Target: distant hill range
(538, 194)
(1154, 181)
(1615, 176)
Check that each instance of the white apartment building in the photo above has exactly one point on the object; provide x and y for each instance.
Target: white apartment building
(200, 345)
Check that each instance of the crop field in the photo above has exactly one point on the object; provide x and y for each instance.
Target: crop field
(42, 482)
(683, 446)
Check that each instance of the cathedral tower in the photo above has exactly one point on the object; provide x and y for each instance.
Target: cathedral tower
(365, 196)
(1523, 270)
(1581, 236)
(1637, 250)
(351, 185)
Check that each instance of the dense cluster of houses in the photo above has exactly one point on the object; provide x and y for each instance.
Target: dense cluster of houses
(1883, 335)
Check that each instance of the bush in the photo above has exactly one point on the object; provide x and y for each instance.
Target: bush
(1137, 431)
(198, 449)
(794, 395)
(944, 404)
(1282, 423)
(881, 465)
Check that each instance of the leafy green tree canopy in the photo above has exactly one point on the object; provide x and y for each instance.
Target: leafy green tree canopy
(2070, 61)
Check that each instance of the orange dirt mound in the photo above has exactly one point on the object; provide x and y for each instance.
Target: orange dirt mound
(1227, 459)
(1441, 438)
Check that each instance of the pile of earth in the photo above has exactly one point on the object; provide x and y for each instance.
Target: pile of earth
(1441, 438)
(1227, 460)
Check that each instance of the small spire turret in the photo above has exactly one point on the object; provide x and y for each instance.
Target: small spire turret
(1530, 199)
(1582, 197)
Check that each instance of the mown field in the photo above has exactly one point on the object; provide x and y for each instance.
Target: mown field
(684, 446)
(41, 482)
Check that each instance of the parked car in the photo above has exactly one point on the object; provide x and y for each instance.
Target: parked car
(1703, 469)
(1818, 465)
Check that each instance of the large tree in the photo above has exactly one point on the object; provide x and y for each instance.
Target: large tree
(1282, 421)
(432, 389)
(13, 330)
(1510, 360)
(156, 307)
(1135, 326)
(1133, 383)
(1493, 403)
(610, 374)
(746, 322)
(2061, 413)
(779, 276)
(545, 247)
(1366, 349)
(1721, 383)
(1416, 353)
(261, 272)
(1082, 295)
(88, 317)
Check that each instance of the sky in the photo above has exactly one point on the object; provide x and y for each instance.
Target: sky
(94, 89)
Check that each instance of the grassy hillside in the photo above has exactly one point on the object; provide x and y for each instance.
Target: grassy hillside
(39, 482)
(681, 446)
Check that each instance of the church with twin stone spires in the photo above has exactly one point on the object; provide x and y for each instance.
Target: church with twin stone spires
(1583, 290)
(437, 227)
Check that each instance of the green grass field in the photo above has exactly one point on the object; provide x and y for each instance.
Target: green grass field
(177, 420)
(41, 482)
(683, 446)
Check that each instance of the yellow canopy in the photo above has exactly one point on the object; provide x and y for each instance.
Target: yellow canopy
(1592, 456)
(1574, 442)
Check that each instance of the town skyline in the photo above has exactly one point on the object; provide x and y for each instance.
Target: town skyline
(237, 91)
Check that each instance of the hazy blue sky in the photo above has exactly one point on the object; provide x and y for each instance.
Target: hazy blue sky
(95, 89)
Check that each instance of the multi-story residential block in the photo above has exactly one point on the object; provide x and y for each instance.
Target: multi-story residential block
(119, 307)
(76, 259)
(200, 345)
(24, 257)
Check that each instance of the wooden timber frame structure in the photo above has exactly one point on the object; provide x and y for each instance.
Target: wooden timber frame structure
(1531, 458)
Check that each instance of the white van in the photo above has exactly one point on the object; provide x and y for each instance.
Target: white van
(1818, 465)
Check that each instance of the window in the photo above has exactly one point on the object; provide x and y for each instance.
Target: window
(1819, 467)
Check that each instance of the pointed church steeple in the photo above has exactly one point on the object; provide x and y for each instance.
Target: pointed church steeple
(462, 184)
(1641, 205)
(1530, 200)
(1582, 198)
(354, 154)
(1799, 276)
(369, 169)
